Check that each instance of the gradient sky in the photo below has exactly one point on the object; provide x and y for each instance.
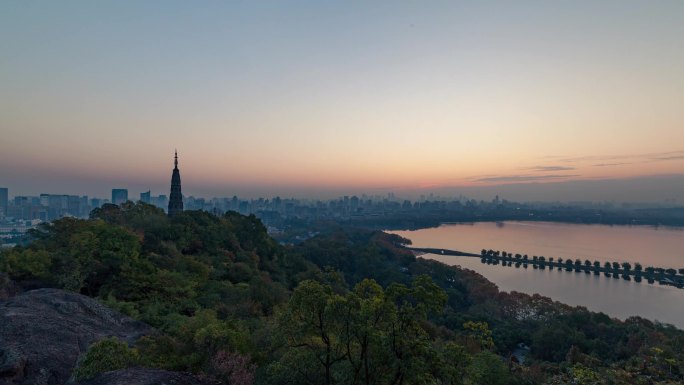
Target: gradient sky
(315, 98)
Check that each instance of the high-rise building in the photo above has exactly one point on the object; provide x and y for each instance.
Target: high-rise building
(119, 195)
(176, 196)
(96, 203)
(161, 201)
(145, 197)
(4, 201)
(44, 200)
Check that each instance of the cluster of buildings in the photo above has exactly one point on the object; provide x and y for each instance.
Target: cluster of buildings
(48, 207)
(275, 210)
(45, 207)
(172, 205)
(25, 212)
(120, 195)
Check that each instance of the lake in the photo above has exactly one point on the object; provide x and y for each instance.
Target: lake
(660, 247)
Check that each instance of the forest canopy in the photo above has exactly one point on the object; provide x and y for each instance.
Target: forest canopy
(348, 306)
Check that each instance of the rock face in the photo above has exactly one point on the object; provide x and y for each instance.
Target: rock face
(43, 332)
(145, 377)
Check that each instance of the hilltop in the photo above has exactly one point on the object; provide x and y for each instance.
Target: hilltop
(225, 301)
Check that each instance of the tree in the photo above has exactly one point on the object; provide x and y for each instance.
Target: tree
(232, 368)
(451, 364)
(568, 264)
(582, 375)
(479, 334)
(552, 341)
(76, 255)
(578, 264)
(311, 327)
(368, 336)
(408, 340)
(364, 333)
(488, 369)
(106, 355)
(616, 267)
(26, 264)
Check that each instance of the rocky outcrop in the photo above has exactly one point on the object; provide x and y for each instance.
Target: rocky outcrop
(43, 332)
(145, 377)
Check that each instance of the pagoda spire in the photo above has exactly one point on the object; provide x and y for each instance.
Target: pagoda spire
(176, 196)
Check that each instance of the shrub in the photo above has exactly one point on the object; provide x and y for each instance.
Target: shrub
(106, 355)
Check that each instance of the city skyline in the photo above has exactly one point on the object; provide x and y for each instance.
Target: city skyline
(646, 190)
(548, 101)
(658, 189)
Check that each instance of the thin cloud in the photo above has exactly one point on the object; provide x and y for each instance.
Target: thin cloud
(671, 157)
(611, 164)
(521, 178)
(550, 168)
(598, 158)
(614, 160)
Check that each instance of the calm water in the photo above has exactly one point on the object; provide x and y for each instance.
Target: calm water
(662, 247)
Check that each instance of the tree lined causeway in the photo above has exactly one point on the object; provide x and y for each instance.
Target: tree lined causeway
(649, 246)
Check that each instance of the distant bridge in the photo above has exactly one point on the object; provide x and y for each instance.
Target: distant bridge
(454, 253)
(651, 274)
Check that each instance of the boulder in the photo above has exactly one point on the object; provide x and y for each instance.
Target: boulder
(43, 332)
(145, 377)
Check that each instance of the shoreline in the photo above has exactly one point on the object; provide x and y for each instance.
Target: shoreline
(676, 227)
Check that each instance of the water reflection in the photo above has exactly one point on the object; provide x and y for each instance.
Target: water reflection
(658, 246)
(612, 295)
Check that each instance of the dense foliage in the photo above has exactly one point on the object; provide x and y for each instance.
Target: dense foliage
(106, 355)
(345, 307)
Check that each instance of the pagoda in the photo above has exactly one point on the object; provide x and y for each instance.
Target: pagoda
(176, 197)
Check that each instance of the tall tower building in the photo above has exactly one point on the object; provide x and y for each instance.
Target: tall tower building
(119, 195)
(176, 197)
(4, 202)
(145, 196)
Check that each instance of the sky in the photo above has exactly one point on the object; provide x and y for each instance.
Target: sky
(320, 98)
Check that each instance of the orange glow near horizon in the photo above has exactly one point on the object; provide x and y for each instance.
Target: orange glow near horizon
(410, 98)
